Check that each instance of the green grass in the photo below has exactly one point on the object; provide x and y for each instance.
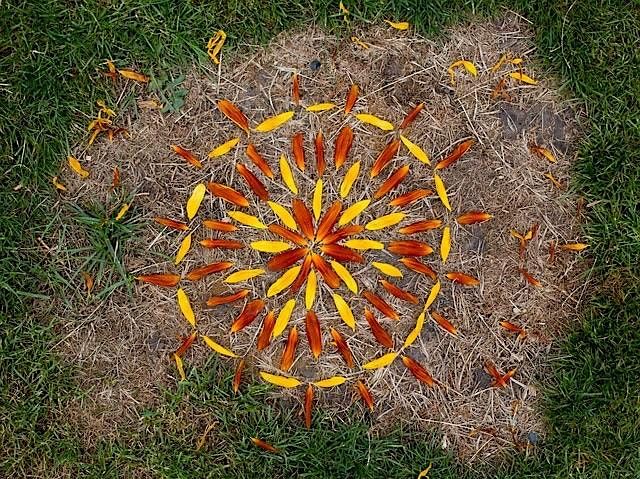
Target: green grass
(49, 52)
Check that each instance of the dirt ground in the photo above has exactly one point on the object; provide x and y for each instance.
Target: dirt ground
(122, 344)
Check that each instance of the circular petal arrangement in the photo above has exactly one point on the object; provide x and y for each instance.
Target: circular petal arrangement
(316, 242)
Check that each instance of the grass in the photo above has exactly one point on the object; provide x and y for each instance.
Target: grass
(49, 51)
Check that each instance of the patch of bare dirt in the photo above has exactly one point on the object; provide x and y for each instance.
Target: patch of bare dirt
(122, 345)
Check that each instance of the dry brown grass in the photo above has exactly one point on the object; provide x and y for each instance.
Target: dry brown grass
(122, 345)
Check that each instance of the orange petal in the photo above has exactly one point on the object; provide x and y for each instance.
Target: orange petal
(365, 394)
(419, 372)
(352, 96)
(133, 75)
(462, 278)
(218, 300)
(473, 217)
(303, 217)
(342, 233)
(288, 234)
(303, 274)
(343, 144)
(408, 198)
(297, 147)
(381, 334)
(411, 116)
(343, 347)
(216, 225)
(514, 328)
(257, 159)
(328, 220)
(227, 193)
(409, 248)
(267, 330)
(290, 350)
(187, 155)
(237, 377)
(314, 336)
(455, 155)
(573, 246)
(248, 315)
(543, 152)
(308, 406)
(160, 279)
(341, 253)
(391, 182)
(254, 183)
(116, 178)
(319, 149)
(420, 226)
(529, 278)
(287, 258)
(263, 445)
(221, 244)
(385, 157)
(186, 344)
(398, 292)
(199, 273)
(443, 323)
(295, 89)
(169, 223)
(328, 274)
(419, 267)
(381, 305)
(234, 114)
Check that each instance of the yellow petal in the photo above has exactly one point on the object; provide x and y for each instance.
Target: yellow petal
(445, 244)
(77, 167)
(287, 175)
(310, 291)
(284, 281)
(398, 25)
(363, 244)
(185, 246)
(321, 107)
(353, 211)
(122, 212)
(413, 335)
(415, 150)
(349, 179)
(185, 307)
(218, 348)
(442, 191)
(193, 204)
(387, 269)
(523, 78)
(424, 472)
(270, 246)
(133, 75)
(380, 362)
(243, 275)
(470, 67)
(345, 276)
(374, 121)
(330, 382)
(433, 294)
(215, 45)
(284, 215)
(180, 366)
(343, 9)
(57, 184)
(248, 220)
(282, 381)
(317, 199)
(385, 221)
(574, 246)
(344, 311)
(274, 122)
(224, 148)
(283, 317)
(360, 43)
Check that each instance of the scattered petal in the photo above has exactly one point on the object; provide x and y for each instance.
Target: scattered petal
(243, 275)
(234, 114)
(218, 348)
(331, 382)
(387, 269)
(343, 348)
(194, 201)
(133, 75)
(283, 317)
(218, 300)
(365, 394)
(226, 193)
(455, 155)
(415, 265)
(473, 217)
(349, 179)
(214, 46)
(553, 180)
(411, 197)
(187, 156)
(420, 226)
(267, 330)
(345, 276)
(185, 246)
(320, 107)
(445, 244)
(123, 211)
(360, 43)
(391, 182)
(463, 279)
(185, 307)
(223, 149)
(470, 67)
(160, 279)
(352, 97)
(259, 442)
(409, 248)
(380, 362)
(199, 273)
(77, 167)
(418, 371)
(398, 25)
(186, 344)
(308, 406)
(59, 186)
(399, 292)
(385, 221)
(364, 244)
(343, 144)
(247, 315)
(314, 335)
(344, 311)
(381, 334)
(514, 328)
(284, 215)
(287, 175)
(573, 246)
(237, 377)
(221, 244)
(274, 122)
(415, 150)
(319, 151)
(282, 381)
(297, 147)
(180, 366)
(529, 278)
(415, 332)
(523, 78)
(253, 182)
(295, 88)
(385, 156)
(443, 323)
(247, 220)
(411, 116)
(543, 152)
(442, 191)
(257, 159)
(433, 294)
(381, 305)
(173, 224)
